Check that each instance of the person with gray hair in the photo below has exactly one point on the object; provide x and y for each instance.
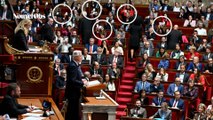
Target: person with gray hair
(73, 86)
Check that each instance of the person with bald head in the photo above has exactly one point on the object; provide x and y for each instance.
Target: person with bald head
(176, 86)
(195, 64)
(174, 37)
(74, 85)
(47, 31)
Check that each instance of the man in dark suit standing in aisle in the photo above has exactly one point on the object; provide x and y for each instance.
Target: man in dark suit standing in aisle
(85, 28)
(73, 86)
(47, 31)
(10, 105)
(174, 37)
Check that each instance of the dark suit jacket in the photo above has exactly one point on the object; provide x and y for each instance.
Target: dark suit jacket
(11, 107)
(158, 103)
(178, 63)
(180, 104)
(100, 71)
(20, 41)
(74, 81)
(165, 5)
(120, 61)
(159, 114)
(60, 82)
(9, 14)
(18, 8)
(85, 28)
(47, 33)
(156, 89)
(205, 56)
(185, 78)
(102, 59)
(174, 37)
(66, 58)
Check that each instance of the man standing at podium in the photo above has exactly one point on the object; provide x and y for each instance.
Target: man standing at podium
(73, 86)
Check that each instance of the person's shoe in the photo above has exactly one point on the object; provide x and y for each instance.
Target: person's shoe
(131, 59)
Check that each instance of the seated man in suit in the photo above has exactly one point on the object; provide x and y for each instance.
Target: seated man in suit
(147, 48)
(99, 57)
(176, 86)
(74, 38)
(117, 59)
(114, 71)
(195, 64)
(142, 84)
(184, 77)
(159, 99)
(61, 80)
(9, 103)
(96, 70)
(164, 113)
(5, 13)
(209, 66)
(138, 111)
(156, 86)
(91, 47)
(176, 102)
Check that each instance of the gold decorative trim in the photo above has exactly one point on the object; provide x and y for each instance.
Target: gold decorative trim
(10, 49)
(34, 74)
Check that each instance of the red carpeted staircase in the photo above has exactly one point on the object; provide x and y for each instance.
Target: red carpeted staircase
(125, 89)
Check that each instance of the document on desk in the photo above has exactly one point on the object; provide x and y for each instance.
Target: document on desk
(36, 111)
(32, 115)
(34, 118)
(93, 83)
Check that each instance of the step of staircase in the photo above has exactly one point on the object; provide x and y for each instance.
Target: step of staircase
(128, 76)
(119, 114)
(126, 88)
(124, 100)
(127, 82)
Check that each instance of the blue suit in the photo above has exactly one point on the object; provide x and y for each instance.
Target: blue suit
(180, 104)
(139, 87)
(171, 89)
(94, 49)
(192, 66)
(158, 102)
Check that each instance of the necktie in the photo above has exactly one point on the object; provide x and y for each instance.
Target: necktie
(90, 48)
(59, 71)
(175, 103)
(143, 85)
(159, 101)
(114, 60)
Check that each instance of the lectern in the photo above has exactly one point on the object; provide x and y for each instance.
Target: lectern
(34, 70)
(99, 105)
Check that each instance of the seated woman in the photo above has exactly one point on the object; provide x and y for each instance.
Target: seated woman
(191, 91)
(110, 85)
(198, 78)
(21, 33)
(163, 113)
(164, 63)
(201, 115)
(161, 52)
(86, 57)
(162, 75)
(180, 62)
(142, 97)
(104, 46)
(144, 61)
(116, 47)
(150, 72)
(192, 53)
(209, 114)
(189, 22)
